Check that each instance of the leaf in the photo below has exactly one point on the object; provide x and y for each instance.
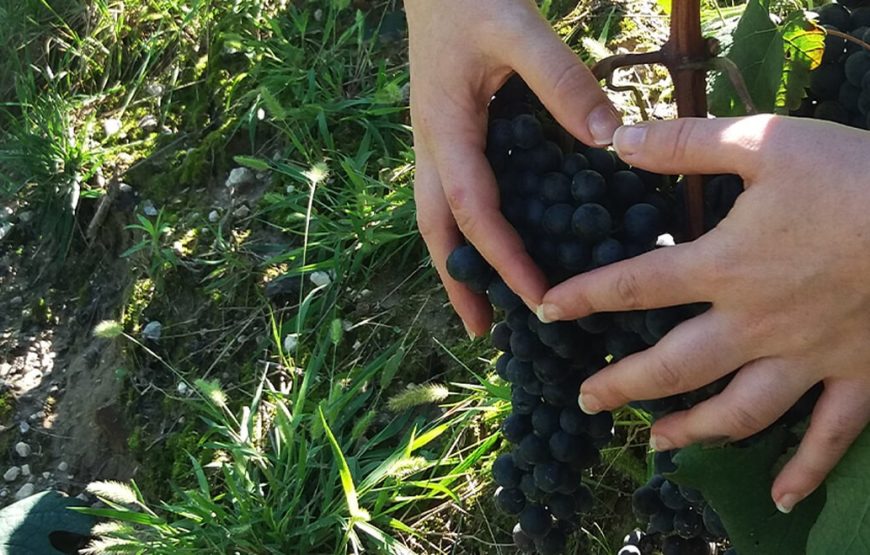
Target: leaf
(736, 482)
(28, 525)
(356, 513)
(775, 61)
(757, 52)
(844, 522)
(804, 45)
(256, 164)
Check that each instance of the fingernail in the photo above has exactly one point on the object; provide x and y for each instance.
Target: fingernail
(629, 139)
(588, 403)
(787, 502)
(547, 313)
(602, 122)
(659, 443)
(471, 334)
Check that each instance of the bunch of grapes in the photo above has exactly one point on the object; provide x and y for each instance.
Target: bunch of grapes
(840, 88)
(576, 208)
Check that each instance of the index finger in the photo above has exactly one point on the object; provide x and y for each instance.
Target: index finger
(668, 276)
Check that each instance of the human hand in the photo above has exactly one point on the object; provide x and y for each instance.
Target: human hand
(787, 275)
(461, 52)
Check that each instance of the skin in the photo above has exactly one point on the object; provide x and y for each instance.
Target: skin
(461, 52)
(786, 273)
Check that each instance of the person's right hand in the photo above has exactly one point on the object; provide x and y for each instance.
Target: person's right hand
(461, 52)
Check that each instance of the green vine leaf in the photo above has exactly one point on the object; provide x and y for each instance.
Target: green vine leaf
(775, 61)
(736, 482)
(804, 45)
(844, 524)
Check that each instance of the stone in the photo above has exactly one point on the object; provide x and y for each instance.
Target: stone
(25, 491)
(111, 126)
(214, 216)
(63, 466)
(149, 209)
(152, 330)
(12, 474)
(320, 278)
(23, 449)
(241, 212)
(23, 427)
(25, 470)
(291, 341)
(240, 177)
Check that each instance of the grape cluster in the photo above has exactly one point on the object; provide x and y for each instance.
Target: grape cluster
(576, 208)
(840, 88)
(682, 519)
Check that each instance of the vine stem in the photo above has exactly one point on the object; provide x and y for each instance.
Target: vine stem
(685, 55)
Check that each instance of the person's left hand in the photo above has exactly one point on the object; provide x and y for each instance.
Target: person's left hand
(788, 276)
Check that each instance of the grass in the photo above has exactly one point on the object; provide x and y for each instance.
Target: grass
(331, 402)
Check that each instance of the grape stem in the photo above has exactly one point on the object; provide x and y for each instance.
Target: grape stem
(848, 37)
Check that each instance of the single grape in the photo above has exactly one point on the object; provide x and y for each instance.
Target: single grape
(591, 222)
(563, 506)
(531, 490)
(501, 296)
(545, 420)
(688, 524)
(516, 426)
(574, 421)
(645, 501)
(573, 256)
(510, 501)
(466, 265)
(551, 544)
(535, 449)
(595, 323)
(527, 131)
(607, 252)
(713, 523)
(836, 15)
(857, 64)
(523, 402)
(574, 163)
(523, 541)
(548, 476)
(504, 471)
(642, 223)
(628, 187)
(525, 345)
(663, 462)
(672, 498)
(501, 337)
(535, 521)
(501, 365)
(661, 522)
(601, 161)
(557, 219)
(825, 81)
(556, 188)
(588, 186)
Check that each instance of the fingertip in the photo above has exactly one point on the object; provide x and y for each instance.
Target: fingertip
(602, 122)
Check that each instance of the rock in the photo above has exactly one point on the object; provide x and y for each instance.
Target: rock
(63, 466)
(149, 209)
(241, 212)
(320, 278)
(126, 198)
(24, 492)
(25, 470)
(16, 301)
(5, 229)
(26, 216)
(152, 330)
(240, 177)
(111, 126)
(148, 123)
(23, 449)
(155, 89)
(4, 493)
(291, 341)
(182, 388)
(23, 427)
(46, 475)
(12, 474)
(214, 216)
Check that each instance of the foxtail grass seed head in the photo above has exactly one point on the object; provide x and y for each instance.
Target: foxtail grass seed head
(212, 390)
(104, 546)
(108, 329)
(110, 529)
(417, 395)
(117, 492)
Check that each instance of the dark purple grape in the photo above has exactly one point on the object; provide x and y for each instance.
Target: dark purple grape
(545, 420)
(535, 449)
(505, 472)
(516, 426)
(510, 501)
(501, 337)
(588, 186)
(591, 222)
(535, 521)
(523, 541)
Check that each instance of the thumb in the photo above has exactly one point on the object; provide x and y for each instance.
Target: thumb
(697, 145)
(563, 83)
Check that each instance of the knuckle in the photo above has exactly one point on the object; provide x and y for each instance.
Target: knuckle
(628, 290)
(668, 376)
(683, 139)
(742, 421)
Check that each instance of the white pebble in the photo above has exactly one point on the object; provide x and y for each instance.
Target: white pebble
(63, 466)
(181, 388)
(23, 449)
(46, 475)
(149, 209)
(214, 216)
(152, 330)
(24, 492)
(111, 126)
(320, 278)
(23, 427)
(12, 474)
(240, 176)
(25, 470)
(291, 341)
